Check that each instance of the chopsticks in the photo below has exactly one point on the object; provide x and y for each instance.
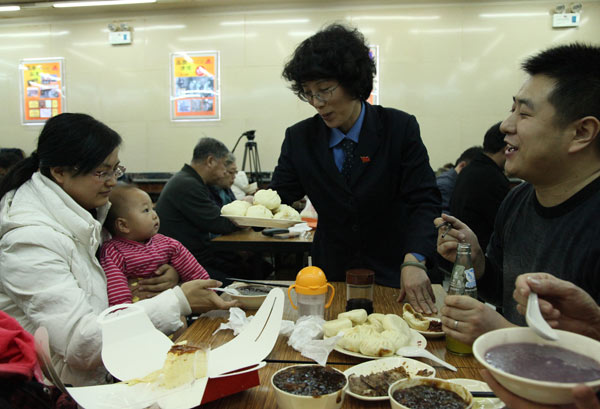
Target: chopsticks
(258, 282)
(287, 361)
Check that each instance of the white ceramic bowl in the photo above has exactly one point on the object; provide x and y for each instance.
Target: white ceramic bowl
(250, 302)
(435, 382)
(286, 400)
(553, 393)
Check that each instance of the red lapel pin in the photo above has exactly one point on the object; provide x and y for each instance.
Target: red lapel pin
(365, 159)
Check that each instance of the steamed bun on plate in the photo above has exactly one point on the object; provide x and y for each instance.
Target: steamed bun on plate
(268, 198)
(259, 211)
(235, 208)
(286, 212)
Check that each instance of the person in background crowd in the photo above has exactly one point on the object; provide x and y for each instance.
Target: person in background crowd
(447, 180)
(8, 158)
(564, 306)
(221, 191)
(481, 187)
(550, 223)
(52, 207)
(364, 167)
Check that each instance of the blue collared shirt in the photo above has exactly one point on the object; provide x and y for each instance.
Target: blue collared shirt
(337, 136)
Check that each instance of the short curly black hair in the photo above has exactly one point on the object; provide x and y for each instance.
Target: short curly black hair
(338, 53)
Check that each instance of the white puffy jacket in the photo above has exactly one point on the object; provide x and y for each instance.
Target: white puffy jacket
(49, 276)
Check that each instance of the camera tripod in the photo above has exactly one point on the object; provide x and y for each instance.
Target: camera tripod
(250, 154)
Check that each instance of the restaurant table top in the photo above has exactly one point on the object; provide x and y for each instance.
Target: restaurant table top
(250, 240)
(263, 396)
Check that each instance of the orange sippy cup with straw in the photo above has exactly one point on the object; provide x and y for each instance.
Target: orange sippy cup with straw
(311, 292)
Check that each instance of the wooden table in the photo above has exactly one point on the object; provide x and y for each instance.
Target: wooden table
(250, 240)
(263, 397)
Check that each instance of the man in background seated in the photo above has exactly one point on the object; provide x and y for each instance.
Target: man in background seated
(549, 224)
(481, 187)
(187, 210)
(447, 180)
(221, 191)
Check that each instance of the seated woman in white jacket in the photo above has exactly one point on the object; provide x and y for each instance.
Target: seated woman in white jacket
(52, 208)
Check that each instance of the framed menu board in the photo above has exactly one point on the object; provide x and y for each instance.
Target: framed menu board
(195, 88)
(42, 89)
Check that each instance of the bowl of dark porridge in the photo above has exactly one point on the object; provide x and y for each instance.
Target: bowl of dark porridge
(309, 387)
(428, 393)
(536, 369)
(251, 296)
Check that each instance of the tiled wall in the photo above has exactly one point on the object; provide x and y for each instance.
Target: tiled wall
(453, 65)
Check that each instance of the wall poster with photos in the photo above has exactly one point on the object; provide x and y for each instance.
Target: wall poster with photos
(374, 54)
(42, 89)
(195, 88)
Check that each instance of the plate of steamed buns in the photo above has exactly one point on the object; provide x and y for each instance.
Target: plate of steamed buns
(265, 211)
(371, 336)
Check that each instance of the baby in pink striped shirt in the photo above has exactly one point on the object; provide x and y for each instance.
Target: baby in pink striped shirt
(136, 249)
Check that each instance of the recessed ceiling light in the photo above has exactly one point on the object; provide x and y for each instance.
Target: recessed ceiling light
(99, 3)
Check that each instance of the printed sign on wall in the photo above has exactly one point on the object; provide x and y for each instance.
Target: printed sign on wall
(195, 94)
(42, 89)
(374, 54)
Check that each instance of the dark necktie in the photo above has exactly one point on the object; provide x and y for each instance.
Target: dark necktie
(348, 147)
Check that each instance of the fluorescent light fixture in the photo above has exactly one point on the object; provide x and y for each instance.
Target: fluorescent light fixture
(265, 22)
(99, 3)
(510, 15)
(392, 18)
(9, 8)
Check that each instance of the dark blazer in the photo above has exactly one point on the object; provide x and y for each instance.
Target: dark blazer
(188, 214)
(386, 211)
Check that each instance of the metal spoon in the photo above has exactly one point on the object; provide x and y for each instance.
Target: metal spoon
(423, 353)
(536, 322)
(230, 291)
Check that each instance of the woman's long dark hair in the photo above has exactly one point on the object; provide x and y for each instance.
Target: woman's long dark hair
(75, 141)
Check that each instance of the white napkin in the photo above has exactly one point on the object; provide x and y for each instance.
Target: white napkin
(237, 321)
(299, 228)
(306, 339)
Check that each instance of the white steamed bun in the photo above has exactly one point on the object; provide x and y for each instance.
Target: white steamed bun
(259, 211)
(286, 212)
(235, 208)
(268, 198)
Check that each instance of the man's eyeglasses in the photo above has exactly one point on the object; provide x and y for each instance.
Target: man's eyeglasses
(107, 175)
(321, 96)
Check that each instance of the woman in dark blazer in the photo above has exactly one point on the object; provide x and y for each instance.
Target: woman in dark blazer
(364, 168)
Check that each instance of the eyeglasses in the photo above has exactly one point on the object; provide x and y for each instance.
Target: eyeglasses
(321, 96)
(107, 175)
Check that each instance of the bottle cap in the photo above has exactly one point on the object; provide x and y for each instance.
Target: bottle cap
(311, 280)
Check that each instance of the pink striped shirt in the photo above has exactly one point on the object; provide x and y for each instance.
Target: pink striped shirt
(122, 259)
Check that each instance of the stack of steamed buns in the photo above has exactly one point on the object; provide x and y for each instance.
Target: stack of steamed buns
(267, 205)
(371, 335)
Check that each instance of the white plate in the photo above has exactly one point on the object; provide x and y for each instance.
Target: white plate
(416, 340)
(412, 367)
(260, 222)
(478, 386)
(432, 334)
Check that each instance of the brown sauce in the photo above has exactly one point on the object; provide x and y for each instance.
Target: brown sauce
(428, 397)
(543, 362)
(309, 380)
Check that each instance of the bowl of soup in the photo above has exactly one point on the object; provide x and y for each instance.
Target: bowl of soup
(428, 393)
(309, 387)
(251, 295)
(540, 370)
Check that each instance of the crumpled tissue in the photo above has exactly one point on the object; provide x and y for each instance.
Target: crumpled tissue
(299, 228)
(237, 321)
(305, 337)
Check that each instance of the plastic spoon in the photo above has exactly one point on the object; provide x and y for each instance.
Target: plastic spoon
(423, 353)
(536, 322)
(231, 291)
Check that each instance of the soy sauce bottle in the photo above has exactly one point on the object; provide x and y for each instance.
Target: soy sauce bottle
(462, 282)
